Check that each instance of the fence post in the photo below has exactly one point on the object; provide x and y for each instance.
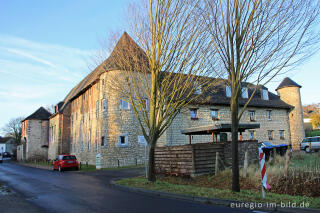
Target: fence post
(310, 146)
(216, 169)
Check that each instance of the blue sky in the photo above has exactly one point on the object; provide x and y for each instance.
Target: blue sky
(45, 48)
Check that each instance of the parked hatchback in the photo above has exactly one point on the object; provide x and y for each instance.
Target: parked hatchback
(313, 141)
(63, 162)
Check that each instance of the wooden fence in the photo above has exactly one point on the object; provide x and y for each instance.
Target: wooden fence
(190, 159)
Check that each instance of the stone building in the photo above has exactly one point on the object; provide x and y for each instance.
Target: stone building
(93, 118)
(289, 92)
(35, 136)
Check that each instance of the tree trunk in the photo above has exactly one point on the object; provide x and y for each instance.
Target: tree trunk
(234, 105)
(151, 163)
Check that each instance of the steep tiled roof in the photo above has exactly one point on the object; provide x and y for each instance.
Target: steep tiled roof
(127, 50)
(124, 46)
(288, 82)
(40, 114)
(217, 96)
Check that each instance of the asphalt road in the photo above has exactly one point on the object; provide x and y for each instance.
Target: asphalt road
(91, 192)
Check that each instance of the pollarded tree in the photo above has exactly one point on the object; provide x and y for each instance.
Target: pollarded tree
(255, 40)
(166, 71)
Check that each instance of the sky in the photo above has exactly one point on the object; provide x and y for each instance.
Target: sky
(46, 47)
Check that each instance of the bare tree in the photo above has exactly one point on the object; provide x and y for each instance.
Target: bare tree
(51, 108)
(167, 70)
(255, 40)
(13, 129)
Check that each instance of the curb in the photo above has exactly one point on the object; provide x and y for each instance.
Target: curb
(214, 201)
(33, 166)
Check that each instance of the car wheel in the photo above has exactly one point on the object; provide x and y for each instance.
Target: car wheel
(59, 168)
(77, 168)
(308, 149)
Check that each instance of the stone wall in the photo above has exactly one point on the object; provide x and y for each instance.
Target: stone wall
(36, 137)
(90, 123)
(253, 152)
(278, 121)
(54, 136)
(291, 95)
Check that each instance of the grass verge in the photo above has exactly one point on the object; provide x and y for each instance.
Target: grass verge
(92, 168)
(244, 195)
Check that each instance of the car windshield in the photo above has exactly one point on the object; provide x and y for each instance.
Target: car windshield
(267, 144)
(69, 158)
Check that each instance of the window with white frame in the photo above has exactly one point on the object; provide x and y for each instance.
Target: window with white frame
(104, 104)
(269, 115)
(194, 114)
(103, 141)
(215, 114)
(281, 133)
(228, 91)
(270, 135)
(197, 88)
(244, 92)
(142, 140)
(97, 108)
(252, 135)
(97, 139)
(124, 105)
(252, 115)
(145, 104)
(123, 140)
(265, 94)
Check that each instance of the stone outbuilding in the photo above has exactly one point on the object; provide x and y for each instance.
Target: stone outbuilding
(35, 136)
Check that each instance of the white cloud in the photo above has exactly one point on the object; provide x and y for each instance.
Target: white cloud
(36, 74)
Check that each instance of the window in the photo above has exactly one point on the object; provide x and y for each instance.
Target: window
(252, 135)
(97, 139)
(214, 114)
(145, 104)
(228, 91)
(97, 108)
(252, 115)
(142, 140)
(124, 105)
(269, 115)
(102, 141)
(244, 92)
(265, 94)
(270, 135)
(123, 140)
(281, 133)
(104, 104)
(193, 114)
(197, 88)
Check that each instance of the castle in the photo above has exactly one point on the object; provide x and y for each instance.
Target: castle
(94, 119)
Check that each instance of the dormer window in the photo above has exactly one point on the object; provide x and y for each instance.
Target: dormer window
(197, 88)
(244, 92)
(228, 91)
(265, 94)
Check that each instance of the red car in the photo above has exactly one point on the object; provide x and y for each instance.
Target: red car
(63, 162)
